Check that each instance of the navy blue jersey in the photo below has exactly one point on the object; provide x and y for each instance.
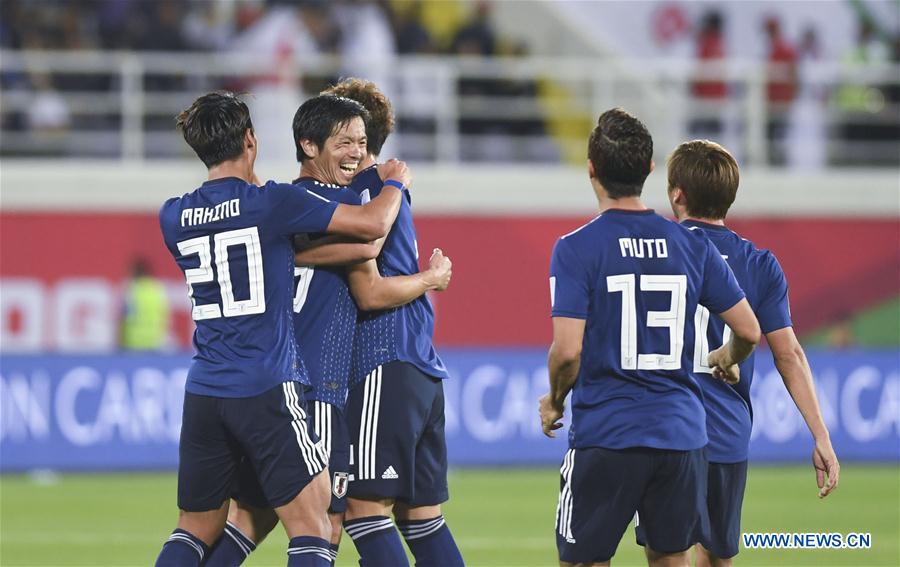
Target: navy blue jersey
(325, 314)
(403, 333)
(729, 414)
(232, 240)
(637, 278)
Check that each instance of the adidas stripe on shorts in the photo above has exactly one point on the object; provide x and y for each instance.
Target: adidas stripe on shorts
(395, 419)
(269, 432)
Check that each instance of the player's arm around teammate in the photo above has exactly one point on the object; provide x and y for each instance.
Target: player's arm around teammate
(373, 292)
(372, 220)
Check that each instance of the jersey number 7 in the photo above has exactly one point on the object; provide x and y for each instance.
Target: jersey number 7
(203, 246)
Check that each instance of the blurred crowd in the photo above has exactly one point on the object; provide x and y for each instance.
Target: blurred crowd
(355, 32)
(809, 122)
(796, 128)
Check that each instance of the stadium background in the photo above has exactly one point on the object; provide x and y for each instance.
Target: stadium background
(494, 102)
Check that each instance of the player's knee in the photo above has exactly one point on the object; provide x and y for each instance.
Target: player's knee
(205, 526)
(255, 523)
(657, 559)
(405, 512)
(363, 507)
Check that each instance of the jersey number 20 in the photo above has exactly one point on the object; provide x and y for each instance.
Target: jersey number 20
(676, 285)
(231, 307)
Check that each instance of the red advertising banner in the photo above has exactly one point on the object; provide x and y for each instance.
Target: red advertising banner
(62, 274)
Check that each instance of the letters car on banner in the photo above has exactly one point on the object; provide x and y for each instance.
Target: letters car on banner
(114, 412)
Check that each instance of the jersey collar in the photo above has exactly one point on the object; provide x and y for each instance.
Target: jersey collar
(705, 225)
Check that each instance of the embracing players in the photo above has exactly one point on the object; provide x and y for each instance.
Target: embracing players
(624, 289)
(331, 139)
(395, 409)
(244, 398)
(702, 184)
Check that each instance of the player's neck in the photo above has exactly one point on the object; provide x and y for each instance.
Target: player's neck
(718, 222)
(309, 169)
(367, 162)
(625, 203)
(240, 168)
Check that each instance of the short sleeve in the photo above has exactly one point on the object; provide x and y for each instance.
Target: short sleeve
(773, 311)
(569, 283)
(297, 209)
(720, 290)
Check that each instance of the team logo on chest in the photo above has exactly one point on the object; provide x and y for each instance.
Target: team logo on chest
(339, 484)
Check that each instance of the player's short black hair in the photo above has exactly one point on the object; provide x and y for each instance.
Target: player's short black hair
(707, 175)
(320, 117)
(381, 116)
(214, 126)
(621, 151)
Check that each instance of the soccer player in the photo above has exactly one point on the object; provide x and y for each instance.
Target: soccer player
(702, 185)
(395, 409)
(330, 138)
(624, 288)
(243, 396)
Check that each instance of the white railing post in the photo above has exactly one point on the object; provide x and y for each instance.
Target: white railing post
(756, 118)
(447, 123)
(132, 107)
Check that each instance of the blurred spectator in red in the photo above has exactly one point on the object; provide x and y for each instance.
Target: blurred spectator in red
(781, 88)
(707, 121)
(710, 49)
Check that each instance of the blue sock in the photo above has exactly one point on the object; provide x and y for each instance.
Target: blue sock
(334, 551)
(377, 542)
(181, 549)
(308, 551)
(431, 543)
(232, 548)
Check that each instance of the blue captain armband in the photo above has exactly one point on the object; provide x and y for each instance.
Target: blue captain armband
(395, 183)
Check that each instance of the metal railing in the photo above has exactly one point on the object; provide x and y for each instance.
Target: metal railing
(121, 105)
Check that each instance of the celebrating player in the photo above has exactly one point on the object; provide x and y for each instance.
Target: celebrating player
(395, 408)
(330, 138)
(624, 288)
(703, 183)
(232, 239)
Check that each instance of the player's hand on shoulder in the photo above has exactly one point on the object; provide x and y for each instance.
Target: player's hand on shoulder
(550, 415)
(722, 368)
(440, 269)
(395, 169)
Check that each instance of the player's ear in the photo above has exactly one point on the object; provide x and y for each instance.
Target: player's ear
(652, 166)
(309, 148)
(249, 139)
(676, 196)
(591, 171)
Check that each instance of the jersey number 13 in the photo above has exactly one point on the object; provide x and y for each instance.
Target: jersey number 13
(673, 319)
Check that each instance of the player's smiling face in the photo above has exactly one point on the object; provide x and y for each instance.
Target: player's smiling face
(342, 153)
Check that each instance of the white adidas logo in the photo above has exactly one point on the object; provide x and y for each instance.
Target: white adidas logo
(389, 473)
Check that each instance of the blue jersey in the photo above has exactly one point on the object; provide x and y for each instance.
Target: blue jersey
(232, 240)
(729, 414)
(325, 314)
(403, 333)
(637, 278)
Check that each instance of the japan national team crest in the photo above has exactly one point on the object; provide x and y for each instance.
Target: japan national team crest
(339, 484)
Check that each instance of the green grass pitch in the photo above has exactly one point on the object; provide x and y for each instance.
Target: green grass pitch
(499, 516)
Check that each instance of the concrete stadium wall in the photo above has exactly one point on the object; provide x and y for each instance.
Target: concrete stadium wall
(53, 185)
